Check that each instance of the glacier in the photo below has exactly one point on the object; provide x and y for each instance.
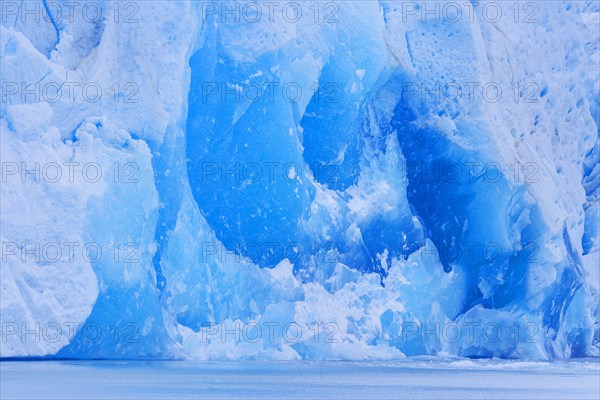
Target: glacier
(358, 180)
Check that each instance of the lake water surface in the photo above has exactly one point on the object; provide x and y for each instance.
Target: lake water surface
(412, 379)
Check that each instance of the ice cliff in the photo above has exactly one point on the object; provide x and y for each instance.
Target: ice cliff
(314, 180)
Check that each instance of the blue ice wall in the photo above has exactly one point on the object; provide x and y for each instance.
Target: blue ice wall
(347, 172)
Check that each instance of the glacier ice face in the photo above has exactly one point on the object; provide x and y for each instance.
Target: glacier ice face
(352, 180)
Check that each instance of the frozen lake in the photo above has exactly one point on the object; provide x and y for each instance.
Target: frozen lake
(422, 378)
